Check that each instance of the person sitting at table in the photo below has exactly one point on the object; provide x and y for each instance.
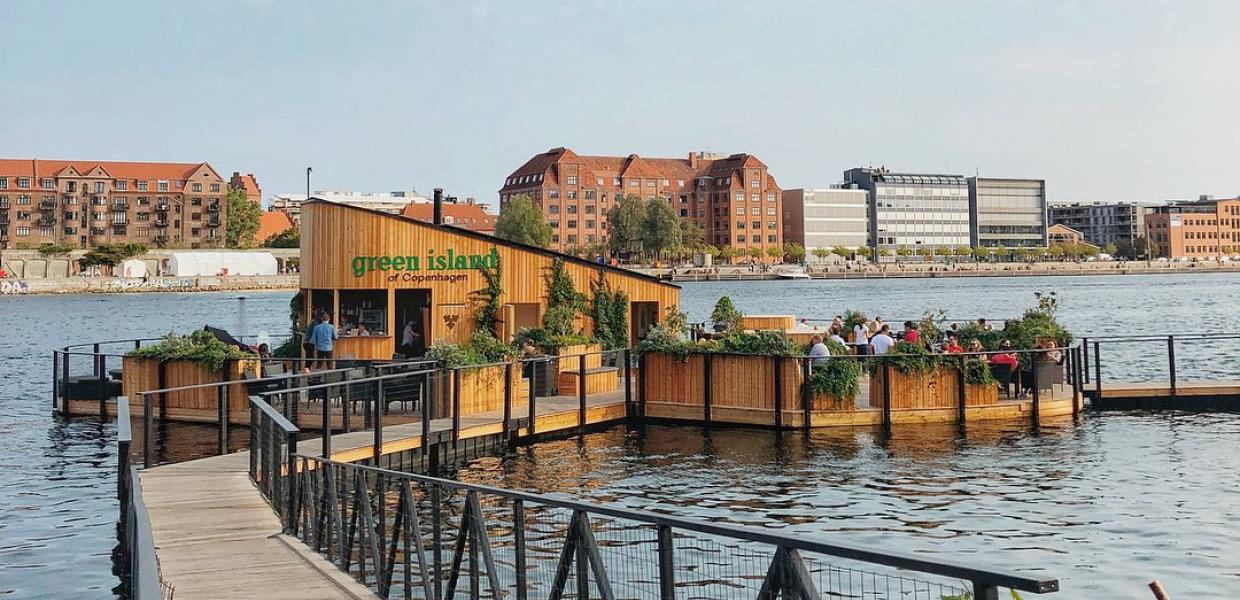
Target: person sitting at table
(911, 334)
(975, 345)
(835, 336)
(818, 352)
(361, 330)
(953, 344)
(1005, 356)
(882, 341)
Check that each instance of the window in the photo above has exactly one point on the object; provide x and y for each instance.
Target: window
(572, 194)
(23, 231)
(755, 211)
(195, 232)
(122, 186)
(555, 209)
(770, 224)
(572, 180)
(664, 181)
(47, 183)
(754, 196)
(755, 239)
(770, 197)
(589, 194)
(195, 217)
(195, 187)
(553, 193)
(756, 225)
(589, 209)
(740, 224)
(196, 202)
(740, 196)
(589, 223)
(634, 183)
(554, 224)
(4, 183)
(680, 182)
(142, 186)
(99, 187)
(740, 239)
(572, 224)
(215, 187)
(754, 182)
(23, 182)
(650, 183)
(144, 200)
(572, 209)
(770, 211)
(598, 182)
(740, 210)
(770, 238)
(162, 185)
(23, 199)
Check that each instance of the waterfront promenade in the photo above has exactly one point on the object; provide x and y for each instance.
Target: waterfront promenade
(217, 537)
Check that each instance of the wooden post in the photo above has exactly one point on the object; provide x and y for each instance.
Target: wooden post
(456, 406)
(56, 381)
(529, 430)
(886, 369)
(641, 384)
(378, 421)
(581, 393)
(1085, 352)
(629, 410)
(1159, 592)
(221, 402)
(148, 415)
(64, 380)
(962, 394)
(667, 565)
(779, 392)
(507, 399)
(1171, 363)
(806, 403)
(707, 370)
(1037, 409)
(1097, 369)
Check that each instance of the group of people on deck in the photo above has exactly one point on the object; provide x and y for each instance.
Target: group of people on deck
(875, 338)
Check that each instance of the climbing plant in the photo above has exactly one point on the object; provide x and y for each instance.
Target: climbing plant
(564, 302)
(486, 300)
(610, 311)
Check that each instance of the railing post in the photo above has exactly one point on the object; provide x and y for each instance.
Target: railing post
(221, 401)
(518, 543)
(533, 407)
(1171, 362)
(55, 379)
(629, 409)
(95, 357)
(667, 565)
(1037, 408)
(985, 591)
(437, 538)
(1097, 369)
(378, 422)
(1085, 351)
(581, 393)
(148, 416)
(253, 443)
(962, 393)
(64, 380)
(456, 406)
(806, 400)
(290, 485)
(325, 445)
(779, 392)
(346, 402)
(507, 399)
(886, 368)
(641, 384)
(707, 391)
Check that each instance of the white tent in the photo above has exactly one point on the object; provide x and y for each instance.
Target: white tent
(133, 268)
(192, 264)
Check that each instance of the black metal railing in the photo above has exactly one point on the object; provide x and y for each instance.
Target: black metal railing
(1170, 360)
(408, 535)
(141, 574)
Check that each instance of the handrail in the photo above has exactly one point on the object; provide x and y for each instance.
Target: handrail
(274, 415)
(336, 384)
(273, 378)
(890, 559)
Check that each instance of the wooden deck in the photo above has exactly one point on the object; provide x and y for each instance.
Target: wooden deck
(1188, 395)
(216, 537)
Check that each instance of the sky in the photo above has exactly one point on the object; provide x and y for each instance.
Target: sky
(1106, 101)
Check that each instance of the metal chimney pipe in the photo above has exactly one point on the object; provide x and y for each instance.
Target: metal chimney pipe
(438, 220)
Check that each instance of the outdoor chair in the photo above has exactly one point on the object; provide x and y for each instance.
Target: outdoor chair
(1003, 374)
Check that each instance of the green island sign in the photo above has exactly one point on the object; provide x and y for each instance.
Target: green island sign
(446, 261)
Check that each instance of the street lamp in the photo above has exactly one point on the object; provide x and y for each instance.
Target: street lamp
(308, 171)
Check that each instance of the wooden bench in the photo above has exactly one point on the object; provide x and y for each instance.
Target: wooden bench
(598, 380)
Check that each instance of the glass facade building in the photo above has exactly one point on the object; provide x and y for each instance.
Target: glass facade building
(1007, 212)
(908, 210)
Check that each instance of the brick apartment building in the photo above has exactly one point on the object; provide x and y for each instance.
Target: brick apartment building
(85, 203)
(249, 183)
(1204, 229)
(733, 198)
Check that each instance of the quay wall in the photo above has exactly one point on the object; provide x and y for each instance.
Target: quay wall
(104, 285)
(909, 271)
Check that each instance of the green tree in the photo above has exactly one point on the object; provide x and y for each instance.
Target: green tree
(962, 251)
(1110, 249)
(820, 253)
(884, 251)
(1002, 252)
(520, 221)
(712, 251)
(289, 238)
(243, 219)
(942, 251)
(661, 229)
(727, 253)
(795, 252)
(110, 255)
(925, 251)
(624, 225)
(692, 236)
(54, 249)
(841, 252)
(775, 252)
(904, 251)
(980, 253)
(754, 253)
(863, 252)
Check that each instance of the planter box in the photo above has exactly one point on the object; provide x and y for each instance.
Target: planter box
(763, 322)
(736, 381)
(482, 389)
(568, 362)
(142, 375)
(936, 389)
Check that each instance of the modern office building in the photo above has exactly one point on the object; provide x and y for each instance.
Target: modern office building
(84, 203)
(1007, 213)
(1102, 223)
(912, 210)
(388, 202)
(1203, 229)
(826, 217)
(733, 198)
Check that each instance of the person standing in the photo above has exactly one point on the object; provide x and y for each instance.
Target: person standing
(861, 338)
(882, 341)
(324, 336)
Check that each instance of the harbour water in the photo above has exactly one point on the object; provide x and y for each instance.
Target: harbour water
(1106, 503)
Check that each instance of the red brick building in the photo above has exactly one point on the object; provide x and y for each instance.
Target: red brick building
(735, 199)
(249, 183)
(464, 215)
(1205, 229)
(85, 203)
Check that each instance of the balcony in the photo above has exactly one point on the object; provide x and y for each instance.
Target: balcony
(213, 206)
(161, 206)
(120, 207)
(47, 205)
(46, 221)
(161, 223)
(213, 221)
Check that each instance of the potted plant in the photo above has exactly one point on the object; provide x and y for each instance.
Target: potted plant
(725, 316)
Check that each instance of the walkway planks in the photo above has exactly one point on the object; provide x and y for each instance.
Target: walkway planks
(216, 537)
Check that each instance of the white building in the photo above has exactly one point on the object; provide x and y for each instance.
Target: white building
(826, 218)
(388, 202)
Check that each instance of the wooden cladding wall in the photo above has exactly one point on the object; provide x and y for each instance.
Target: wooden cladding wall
(332, 235)
(142, 375)
(761, 322)
(937, 389)
(736, 382)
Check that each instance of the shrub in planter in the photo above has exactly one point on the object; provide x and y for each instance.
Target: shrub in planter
(839, 378)
(909, 358)
(199, 346)
(725, 316)
(768, 343)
